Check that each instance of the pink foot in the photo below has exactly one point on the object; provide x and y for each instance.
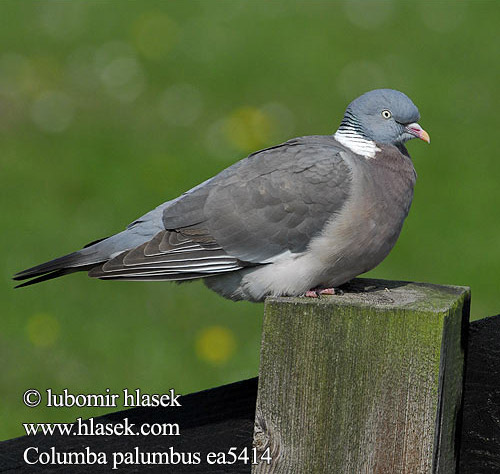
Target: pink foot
(311, 294)
(317, 292)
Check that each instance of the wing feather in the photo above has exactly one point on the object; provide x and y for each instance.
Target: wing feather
(180, 256)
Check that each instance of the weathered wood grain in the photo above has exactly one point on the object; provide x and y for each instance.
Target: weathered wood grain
(365, 382)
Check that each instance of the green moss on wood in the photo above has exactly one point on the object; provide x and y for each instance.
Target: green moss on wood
(353, 382)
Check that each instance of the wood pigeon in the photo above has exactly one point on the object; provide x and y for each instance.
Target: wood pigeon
(311, 213)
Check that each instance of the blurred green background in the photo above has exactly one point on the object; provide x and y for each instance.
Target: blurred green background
(109, 108)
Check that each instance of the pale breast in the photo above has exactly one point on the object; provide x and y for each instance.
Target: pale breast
(367, 228)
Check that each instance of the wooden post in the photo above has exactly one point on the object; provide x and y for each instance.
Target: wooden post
(369, 381)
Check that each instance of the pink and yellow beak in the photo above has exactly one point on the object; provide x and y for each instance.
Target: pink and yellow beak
(417, 131)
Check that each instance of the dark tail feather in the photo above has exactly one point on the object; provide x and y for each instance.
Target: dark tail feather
(51, 275)
(70, 260)
(70, 263)
(93, 254)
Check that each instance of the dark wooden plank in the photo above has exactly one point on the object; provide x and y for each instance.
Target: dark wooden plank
(480, 444)
(210, 421)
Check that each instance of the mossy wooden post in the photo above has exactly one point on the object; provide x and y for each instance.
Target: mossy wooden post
(369, 381)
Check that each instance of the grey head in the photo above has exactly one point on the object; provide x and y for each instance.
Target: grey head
(385, 116)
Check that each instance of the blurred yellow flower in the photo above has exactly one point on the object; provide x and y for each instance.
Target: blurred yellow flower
(249, 128)
(42, 329)
(215, 344)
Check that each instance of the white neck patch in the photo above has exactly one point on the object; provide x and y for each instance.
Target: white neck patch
(356, 143)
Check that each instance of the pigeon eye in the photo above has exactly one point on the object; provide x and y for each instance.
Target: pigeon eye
(386, 114)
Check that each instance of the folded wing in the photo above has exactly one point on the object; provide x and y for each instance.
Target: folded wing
(273, 202)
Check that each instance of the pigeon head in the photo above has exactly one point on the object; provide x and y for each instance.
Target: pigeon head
(385, 116)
